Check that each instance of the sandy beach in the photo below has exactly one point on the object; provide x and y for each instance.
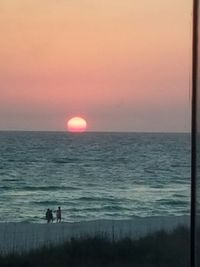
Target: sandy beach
(19, 237)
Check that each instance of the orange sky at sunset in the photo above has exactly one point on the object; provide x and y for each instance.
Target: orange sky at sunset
(123, 65)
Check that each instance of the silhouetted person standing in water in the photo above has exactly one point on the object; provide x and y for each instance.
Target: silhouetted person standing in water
(51, 215)
(58, 214)
(48, 215)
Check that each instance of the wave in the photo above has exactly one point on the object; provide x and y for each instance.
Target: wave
(66, 160)
(48, 188)
(47, 202)
(178, 195)
(86, 160)
(102, 199)
(22, 160)
(4, 188)
(97, 209)
(10, 180)
(116, 208)
(173, 202)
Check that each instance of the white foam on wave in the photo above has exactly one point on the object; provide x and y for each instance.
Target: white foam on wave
(20, 237)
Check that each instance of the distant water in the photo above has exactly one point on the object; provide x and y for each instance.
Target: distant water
(93, 175)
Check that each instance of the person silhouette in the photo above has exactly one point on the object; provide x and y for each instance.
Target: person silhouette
(58, 214)
(51, 215)
(48, 217)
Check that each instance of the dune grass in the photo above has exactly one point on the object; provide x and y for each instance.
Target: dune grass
(161, 249)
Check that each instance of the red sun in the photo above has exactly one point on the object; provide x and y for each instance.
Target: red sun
(77, 124)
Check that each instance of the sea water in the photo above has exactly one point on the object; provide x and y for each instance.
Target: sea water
(93, 175)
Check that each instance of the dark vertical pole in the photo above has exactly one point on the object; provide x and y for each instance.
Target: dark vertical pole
(194, 128)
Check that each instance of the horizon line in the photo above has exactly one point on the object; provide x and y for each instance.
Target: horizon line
(108, 131)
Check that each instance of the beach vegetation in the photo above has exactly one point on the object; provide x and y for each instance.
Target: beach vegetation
(161, 249)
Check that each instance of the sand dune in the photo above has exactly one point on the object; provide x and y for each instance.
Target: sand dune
(19, 237)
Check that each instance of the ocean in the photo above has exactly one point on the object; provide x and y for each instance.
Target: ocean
(93, 175)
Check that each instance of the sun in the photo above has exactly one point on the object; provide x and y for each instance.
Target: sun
(77, 124)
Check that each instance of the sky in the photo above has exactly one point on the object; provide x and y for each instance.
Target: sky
(123, 65)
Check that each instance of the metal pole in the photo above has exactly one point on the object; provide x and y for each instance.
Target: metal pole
(194, 130)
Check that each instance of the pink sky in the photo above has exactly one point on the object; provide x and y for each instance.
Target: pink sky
(123, 65)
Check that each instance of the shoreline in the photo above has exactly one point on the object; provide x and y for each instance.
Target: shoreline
(23, 237)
